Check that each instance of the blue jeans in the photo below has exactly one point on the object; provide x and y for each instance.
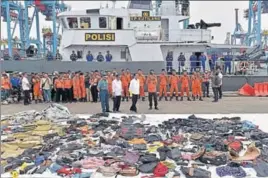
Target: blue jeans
(104, 99)
(5, 94)
(227, 65)
(47, 95)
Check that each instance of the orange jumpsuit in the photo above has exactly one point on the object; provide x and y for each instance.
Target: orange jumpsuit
(76, 88)
(174, 81)
(36, 89)
(185, 85)
(125, 83)
(142, 80)
(196, 86)
(110, 81)
(128, 77)
(6, 85)
(163, 80)
(82, 86)
(151, 83)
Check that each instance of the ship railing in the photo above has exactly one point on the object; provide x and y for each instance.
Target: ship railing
(235, 67)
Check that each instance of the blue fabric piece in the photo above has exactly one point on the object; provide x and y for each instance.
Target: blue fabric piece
(82, 175)
(248, 125)
(236, 172)
(39, 160)
(55, 167)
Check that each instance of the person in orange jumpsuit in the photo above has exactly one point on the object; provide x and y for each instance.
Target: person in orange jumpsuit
(67, 85)
(58, 85)
(37, 93)
(76, 87)
(197, 86)
(125, 83)
(163, 81)
(142, 80)
(82, 87)
(6, 85)
(174, 82)
(185, 85)
(152, 84)
(128, 75)
(110, 79)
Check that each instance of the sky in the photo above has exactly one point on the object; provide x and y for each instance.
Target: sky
(210, 11)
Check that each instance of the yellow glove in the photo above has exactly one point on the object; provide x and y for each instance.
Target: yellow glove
(130, 93)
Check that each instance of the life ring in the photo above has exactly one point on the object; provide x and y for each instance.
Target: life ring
(244, 65)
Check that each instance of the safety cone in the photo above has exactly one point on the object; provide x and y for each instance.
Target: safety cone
(246, 90)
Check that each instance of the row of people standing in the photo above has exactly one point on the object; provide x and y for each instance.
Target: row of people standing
(90, 57)
(198, 62)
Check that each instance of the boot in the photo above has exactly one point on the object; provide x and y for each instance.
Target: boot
(188, 99)
(123, 99)
(177, 98)
(156, 108)
(36, 102)
(182, 98)
(160, 98)
(127, 99)
(143, 98)
(166, 98)
(200, 98)
(171, 98)
(193, 98)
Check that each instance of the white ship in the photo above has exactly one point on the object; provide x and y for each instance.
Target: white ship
(140, 32)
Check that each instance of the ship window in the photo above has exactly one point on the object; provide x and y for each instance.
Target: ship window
(63, 23)
(102, 22)
(72, 22)
(85, 22)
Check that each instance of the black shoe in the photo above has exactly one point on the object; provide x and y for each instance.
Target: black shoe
(207, 96)
(127, 99)
(181, 98)
(156, 108)
(215, 101)
(160, 98)
(143, 98)
(193, 99)
(188, 99)
(200, 99)
(177, 98)
(123, 99)
(170, 99)
(166, 99)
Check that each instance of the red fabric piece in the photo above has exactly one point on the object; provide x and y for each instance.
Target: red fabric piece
(160, 170)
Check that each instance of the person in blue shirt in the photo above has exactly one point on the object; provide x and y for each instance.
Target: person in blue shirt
(214, 58)
(90, 57)
(193, 61)
(104, 94)
(203, 60)
(169, 61)
(15, 81)
(108, 57)
(100, 57)
(227, 63)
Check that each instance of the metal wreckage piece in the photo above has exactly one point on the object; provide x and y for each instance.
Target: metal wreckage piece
(55, 140)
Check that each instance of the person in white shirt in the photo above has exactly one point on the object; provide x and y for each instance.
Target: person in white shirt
(26, 89)
(117, 92)
(221, 78)
(134, 89)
